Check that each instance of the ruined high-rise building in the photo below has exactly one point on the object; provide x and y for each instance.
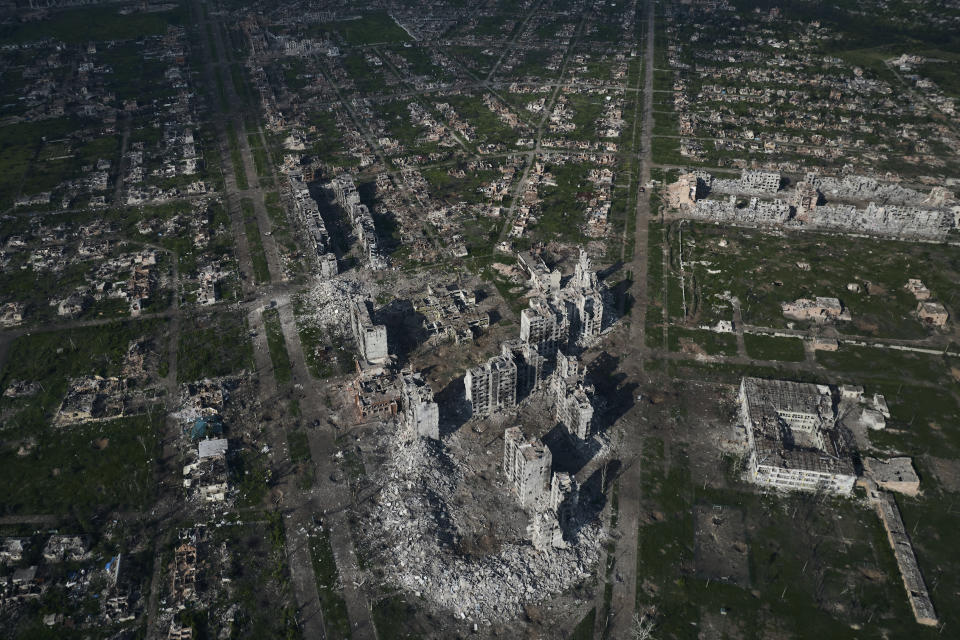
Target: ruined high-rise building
(763, 181)
(573, 405)
(526, 463)
(419, 409)
(539, 327)
(371, 339)
(492, 386)
(564, 495)
(529, 363)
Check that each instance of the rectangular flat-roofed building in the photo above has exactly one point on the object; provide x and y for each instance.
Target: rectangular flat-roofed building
(792, 437)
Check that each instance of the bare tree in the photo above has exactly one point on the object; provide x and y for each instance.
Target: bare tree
(642, 628)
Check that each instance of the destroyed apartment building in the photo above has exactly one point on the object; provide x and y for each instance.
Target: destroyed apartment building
(549, 498)
(308, 214)
(207, 477)
(420, 412)
(793, 440)
(361, 220)
(450, 314)
(491, 387)
(573, 404)
(570, 317)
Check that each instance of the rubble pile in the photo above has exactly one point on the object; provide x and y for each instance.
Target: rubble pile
(327, 303)
(413, 511)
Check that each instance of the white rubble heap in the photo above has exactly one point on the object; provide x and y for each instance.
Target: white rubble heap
(416, 493)
(328, 303)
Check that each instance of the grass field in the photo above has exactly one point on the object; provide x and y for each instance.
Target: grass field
(370, 28)
(282, 370)
(761, 270)
(82, 469)
(80, 26)
(212, 346)
(774, 348)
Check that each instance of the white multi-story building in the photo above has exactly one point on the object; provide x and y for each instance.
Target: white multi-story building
(792, 437)
(491, 386)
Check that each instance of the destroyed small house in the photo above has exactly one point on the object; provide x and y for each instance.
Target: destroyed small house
(792, 437)
(208, 476)
(60, 548)
(932, 313)
(918, 289)
(11, 549)
(820, 310)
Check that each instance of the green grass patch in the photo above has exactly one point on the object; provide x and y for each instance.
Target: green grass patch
(82, 469)
(336, 622)
(282, 369)
(258, 256)
(711, 342)
(774, 348)
(80, 26)
(371, 28)
(213, 345)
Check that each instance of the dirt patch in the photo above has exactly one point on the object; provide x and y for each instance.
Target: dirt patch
(955, 372)
(720, 547)
(689, 346)
(101, 443)
(947, 473)
(865, 325)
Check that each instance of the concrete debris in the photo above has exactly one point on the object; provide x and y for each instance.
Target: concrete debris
(414, 518)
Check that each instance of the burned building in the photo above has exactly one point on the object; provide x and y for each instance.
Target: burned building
(792, 437)
(371, 338)
(491, 386)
